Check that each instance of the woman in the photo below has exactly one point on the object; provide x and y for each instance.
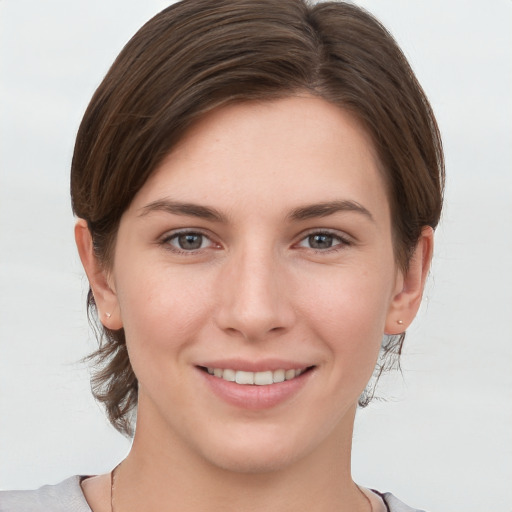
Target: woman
(256, 185)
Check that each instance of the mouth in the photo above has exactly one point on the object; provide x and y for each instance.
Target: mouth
(263, 378)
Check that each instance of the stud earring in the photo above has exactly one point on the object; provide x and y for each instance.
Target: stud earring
(108, 315)
(399, 322)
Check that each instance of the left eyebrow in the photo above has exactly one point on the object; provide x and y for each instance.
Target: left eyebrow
(328, 208)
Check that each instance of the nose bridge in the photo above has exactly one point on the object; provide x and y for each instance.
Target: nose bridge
(252, 301)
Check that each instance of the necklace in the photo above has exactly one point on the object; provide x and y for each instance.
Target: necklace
(112, 485)
(113, 482)
(367, 499)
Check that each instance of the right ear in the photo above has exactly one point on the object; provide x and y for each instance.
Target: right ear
(104, 294)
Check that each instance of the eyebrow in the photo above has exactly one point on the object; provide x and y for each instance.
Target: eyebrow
(180, 208)
(328, 208)
(208, 213)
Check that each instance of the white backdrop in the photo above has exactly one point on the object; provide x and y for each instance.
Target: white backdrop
(443, 440)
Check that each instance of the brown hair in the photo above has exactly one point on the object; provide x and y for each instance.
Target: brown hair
(197, 55)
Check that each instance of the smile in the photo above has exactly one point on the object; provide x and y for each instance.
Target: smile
(265, 378)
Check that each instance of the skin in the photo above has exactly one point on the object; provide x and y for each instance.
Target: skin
(260, 286)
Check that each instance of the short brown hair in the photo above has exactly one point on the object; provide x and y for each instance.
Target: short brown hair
(197, 55)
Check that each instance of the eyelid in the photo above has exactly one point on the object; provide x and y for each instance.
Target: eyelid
(172, 234)
(344, 239)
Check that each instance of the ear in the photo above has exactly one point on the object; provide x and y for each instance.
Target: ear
(409, 291)
(99, 279)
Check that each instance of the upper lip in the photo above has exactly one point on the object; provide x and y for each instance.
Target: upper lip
(261, 365)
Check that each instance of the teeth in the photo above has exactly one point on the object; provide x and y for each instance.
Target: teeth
(263, 378)
(244, 377)
(229, 375)
(258, 378)
(290, 374)
(279, 375)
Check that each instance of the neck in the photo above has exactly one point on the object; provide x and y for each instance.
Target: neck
(158, 472)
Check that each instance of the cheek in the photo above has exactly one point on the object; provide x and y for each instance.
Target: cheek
(161, 310)
(348, 312)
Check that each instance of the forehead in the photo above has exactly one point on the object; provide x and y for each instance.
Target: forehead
(292, 150)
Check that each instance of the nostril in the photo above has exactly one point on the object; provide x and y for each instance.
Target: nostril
(275, 329)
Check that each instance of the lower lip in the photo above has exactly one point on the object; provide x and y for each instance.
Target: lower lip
(255, 397)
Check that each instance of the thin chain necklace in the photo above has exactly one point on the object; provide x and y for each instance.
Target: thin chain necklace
(366, 497)
(112, 485)
(113, 482)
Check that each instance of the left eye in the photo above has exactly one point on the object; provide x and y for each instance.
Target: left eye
(321, 241)
(188, 241)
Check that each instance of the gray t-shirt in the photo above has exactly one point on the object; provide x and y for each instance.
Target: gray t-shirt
(68, 497)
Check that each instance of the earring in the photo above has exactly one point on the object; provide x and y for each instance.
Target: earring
(399, 322)
(108, 315)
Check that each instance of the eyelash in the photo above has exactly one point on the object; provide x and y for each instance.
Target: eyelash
(167, 241)
(341, 241)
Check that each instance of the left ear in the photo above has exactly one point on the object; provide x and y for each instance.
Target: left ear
(407, 300)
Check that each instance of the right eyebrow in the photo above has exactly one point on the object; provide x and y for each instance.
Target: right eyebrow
(181, 208)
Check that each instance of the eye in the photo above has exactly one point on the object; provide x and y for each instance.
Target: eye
(188, 241)
(323, 241)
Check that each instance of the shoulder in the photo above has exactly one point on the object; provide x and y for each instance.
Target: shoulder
(64, 497)
(394, 504)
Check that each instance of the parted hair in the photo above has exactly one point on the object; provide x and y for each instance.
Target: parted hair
(198, 55)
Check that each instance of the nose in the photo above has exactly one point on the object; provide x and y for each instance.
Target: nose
(254, 296)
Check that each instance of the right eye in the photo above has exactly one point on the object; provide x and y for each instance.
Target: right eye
(188, 241)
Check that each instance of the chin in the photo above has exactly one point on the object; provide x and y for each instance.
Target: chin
(257, 452)
(255, 461)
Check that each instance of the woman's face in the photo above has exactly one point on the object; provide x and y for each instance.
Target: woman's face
(260, 250)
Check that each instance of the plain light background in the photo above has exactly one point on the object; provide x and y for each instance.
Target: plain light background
(443, 439)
